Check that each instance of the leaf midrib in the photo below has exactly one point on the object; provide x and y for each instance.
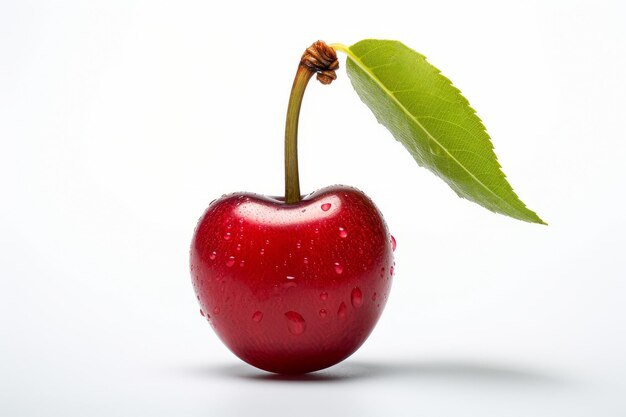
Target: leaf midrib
(362, 66)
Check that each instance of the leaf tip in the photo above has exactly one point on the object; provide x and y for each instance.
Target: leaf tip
(534, 218)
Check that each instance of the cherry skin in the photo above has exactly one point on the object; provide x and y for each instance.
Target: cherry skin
(292, 288)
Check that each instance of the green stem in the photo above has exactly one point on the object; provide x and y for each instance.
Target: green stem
(341, 47)
(292, 179)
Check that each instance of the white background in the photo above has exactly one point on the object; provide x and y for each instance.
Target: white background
(120, 121)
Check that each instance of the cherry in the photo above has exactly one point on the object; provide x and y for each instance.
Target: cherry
(297, 284)
(292, 288)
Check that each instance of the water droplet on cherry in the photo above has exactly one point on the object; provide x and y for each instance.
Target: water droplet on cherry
(323, 313)
(216, 310)
(356, 297)
(326, 206)
(231, 261)
(338, 268)
(295, 323)
(391, 271)
(290, 277)
(201, 313)
(393, 243)
(343, 233)
(374, 297)
(227, 236)
(324, 296)
(242, 263)
(238, 247)
(213, 255)
(341, 313)
(262, 251)
(305, 260)
(257, 316)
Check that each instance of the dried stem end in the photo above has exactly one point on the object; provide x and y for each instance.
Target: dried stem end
(321, 59)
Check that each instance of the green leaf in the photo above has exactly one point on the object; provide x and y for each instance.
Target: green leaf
(436, 124)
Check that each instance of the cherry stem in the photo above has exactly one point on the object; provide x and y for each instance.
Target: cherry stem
(321, 59)
(292, 178)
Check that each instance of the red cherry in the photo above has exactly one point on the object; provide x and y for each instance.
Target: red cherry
(292, 288)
